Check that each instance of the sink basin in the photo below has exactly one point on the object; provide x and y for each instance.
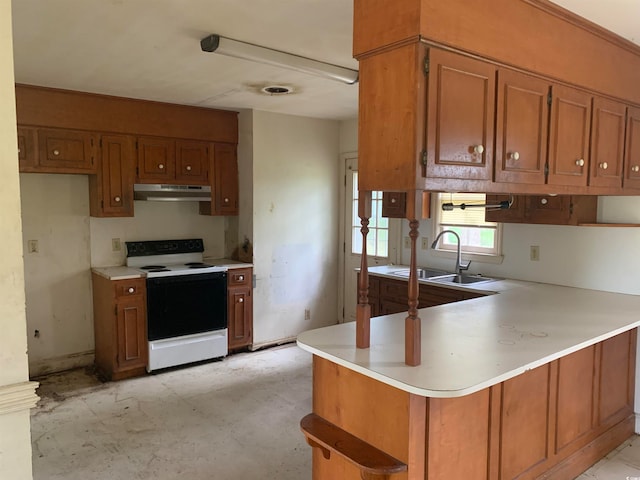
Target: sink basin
(422, 273)
(461, 279)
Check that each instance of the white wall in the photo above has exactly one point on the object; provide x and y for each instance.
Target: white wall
(16, 393)
(295, 207)
(55, 212)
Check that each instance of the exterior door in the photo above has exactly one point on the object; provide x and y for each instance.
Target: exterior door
(382, 240)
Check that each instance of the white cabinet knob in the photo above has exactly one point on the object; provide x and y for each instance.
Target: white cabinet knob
(241, 278)
(544, 201)
(131, 290)
(116, 199)
(604, 165)
(393, 200)
(18, 150)
(56, 152)
(479, 149)
(515, 156)
(226, 200)
(188, 167)
(635, 168)
(240, 300)
(580, 162)
(161, 166)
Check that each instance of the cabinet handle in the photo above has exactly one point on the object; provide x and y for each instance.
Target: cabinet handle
(515, 156)
(635, 168)
(18, 150)
(393, 200)
(580, 162)
(226, 200)
(241, 300)
(161, 166)
(116, 199)
(544, 201)
(56, 152)
(604, 165)
(188, 168)
(131, 290)
(241, 278)
(479, 149)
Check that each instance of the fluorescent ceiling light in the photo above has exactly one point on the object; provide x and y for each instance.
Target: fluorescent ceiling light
(247, 51)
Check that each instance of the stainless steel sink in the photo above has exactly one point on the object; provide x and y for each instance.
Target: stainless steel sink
(461, 279)
(422, 273)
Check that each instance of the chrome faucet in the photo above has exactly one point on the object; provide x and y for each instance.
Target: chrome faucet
(460, 266)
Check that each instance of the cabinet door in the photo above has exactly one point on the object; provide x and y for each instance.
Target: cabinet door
(607, 143)
(431, 296)
(156, 160)
(522, 118)
(569, 132)
(632, 151)
(67, 151)
(394, 204)
(460, 117)
(111, 190)
(514, 214)
(548, 210)
(240, 317)
(131, 332)
(192, 162)
(27, 151)
(226, 179)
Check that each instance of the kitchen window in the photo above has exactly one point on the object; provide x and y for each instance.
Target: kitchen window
(378, 236)
(479, 238)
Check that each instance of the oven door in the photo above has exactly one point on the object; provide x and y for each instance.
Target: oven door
(186, 304)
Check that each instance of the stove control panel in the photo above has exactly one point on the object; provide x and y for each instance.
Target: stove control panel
(164, 247)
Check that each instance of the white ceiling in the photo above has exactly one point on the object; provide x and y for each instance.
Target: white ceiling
(150, 49)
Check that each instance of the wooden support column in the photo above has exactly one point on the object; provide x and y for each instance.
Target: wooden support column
(363, 309)
(413, 338)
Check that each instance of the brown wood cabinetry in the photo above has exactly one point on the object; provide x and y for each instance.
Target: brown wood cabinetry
(192, 162)
(27, 151)
(545, 209)
(632, 150)
(156, 160)
(120, 325)
(224, 184)
(240, 308)
(388, 296)
(607, 143)
(460, 116)
(111, 190)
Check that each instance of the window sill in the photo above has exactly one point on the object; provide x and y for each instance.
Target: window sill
(474, 257)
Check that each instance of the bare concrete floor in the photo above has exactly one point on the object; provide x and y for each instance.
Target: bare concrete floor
(233, 419)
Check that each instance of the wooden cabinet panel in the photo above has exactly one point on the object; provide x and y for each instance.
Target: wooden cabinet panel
(240, 308)
(394, 204)
(632, 150)
(192, 162)
(514, 214)
(67, 151)
(226, 179)
(27, 151)
(607, 143)
(111, 189)
(522, 116)
(430, 296)
(569, 137)
(616, 378)
(460, 117)
(575, 400)
(132, 337)
(156, 160)
(545, 209)
(524, 420)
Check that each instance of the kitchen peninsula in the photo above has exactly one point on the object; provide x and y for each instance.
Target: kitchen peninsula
(535, 381)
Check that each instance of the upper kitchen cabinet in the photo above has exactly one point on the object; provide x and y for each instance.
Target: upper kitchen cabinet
(224, 184)
(460, 116)
(111, 190)
(192, 162)
(632, 150)
(607, 143)
(156, 160)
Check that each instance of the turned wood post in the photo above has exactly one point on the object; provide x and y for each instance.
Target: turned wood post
(412, 335)
(363, 309)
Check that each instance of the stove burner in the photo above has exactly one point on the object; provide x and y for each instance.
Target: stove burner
(154, 270)
(153, 267)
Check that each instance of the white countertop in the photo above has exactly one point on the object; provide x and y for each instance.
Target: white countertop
(470, 345)
(122, 272)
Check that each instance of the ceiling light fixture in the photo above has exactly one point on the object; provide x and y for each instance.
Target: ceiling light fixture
(247, 51)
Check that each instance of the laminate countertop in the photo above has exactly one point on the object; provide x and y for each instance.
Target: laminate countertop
(122, 272)
(473, 344)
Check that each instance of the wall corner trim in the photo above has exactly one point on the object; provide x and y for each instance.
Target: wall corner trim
(18, 396)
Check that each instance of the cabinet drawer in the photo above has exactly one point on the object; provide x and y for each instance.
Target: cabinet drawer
(129, 288)
(395, 290)
(239, 277)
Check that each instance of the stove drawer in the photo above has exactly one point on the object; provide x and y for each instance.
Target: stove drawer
(239, 277)
(130, 288)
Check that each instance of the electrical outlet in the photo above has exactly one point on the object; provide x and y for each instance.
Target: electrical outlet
(307, 314)
(534, 253)
(425, 243)
(32, 246)
(116, 245)
(407, 242)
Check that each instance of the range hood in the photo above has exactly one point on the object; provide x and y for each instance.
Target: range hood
(171, 193)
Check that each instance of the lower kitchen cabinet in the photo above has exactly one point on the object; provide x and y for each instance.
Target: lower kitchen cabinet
(240, 308)
(388, 296)
(120, 326)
